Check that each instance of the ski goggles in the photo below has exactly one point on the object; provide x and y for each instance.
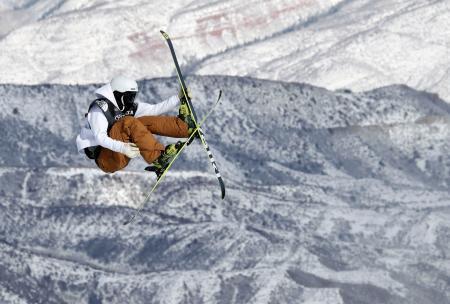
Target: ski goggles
(129, 97)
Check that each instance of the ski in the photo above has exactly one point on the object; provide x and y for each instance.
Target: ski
(191, 108)
(160, 178)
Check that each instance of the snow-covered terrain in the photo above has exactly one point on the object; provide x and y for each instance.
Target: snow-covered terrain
(360, 45)
(332, 197)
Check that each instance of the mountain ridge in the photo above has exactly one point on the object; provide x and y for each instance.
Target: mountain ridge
(347, 49)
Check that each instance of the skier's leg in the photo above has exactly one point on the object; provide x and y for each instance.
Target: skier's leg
(110, 161)
(171, 126)
(134, 131)
(129, 129)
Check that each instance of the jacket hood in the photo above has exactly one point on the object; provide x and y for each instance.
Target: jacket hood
(106, 92)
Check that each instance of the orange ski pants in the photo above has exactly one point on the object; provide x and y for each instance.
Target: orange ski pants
(140, 131)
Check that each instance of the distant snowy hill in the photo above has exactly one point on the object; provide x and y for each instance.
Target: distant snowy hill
(332, 197)
(330, 43)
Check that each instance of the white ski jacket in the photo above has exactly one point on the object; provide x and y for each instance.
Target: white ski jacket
(95, 130)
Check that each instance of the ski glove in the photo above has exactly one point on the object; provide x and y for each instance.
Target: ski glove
(181, 93)
(131, 150)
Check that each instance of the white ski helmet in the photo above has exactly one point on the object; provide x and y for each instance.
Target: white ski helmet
(125, 90)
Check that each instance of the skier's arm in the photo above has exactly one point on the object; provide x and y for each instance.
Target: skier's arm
(99, 126)
(145, 109)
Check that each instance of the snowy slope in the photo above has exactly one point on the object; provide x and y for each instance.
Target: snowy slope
(330, 43)
(332, 197)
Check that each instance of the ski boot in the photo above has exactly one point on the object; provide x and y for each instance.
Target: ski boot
(185, 114)
(163, 161)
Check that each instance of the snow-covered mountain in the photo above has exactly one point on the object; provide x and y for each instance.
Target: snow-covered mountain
(332, 197)
(360, 44)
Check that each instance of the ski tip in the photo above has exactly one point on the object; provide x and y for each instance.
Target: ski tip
(219, 97)
(164, 34)
(128, 221)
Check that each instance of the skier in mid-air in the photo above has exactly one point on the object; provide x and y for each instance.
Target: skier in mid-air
(119, 128)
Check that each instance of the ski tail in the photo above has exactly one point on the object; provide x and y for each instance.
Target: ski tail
(216, 170)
